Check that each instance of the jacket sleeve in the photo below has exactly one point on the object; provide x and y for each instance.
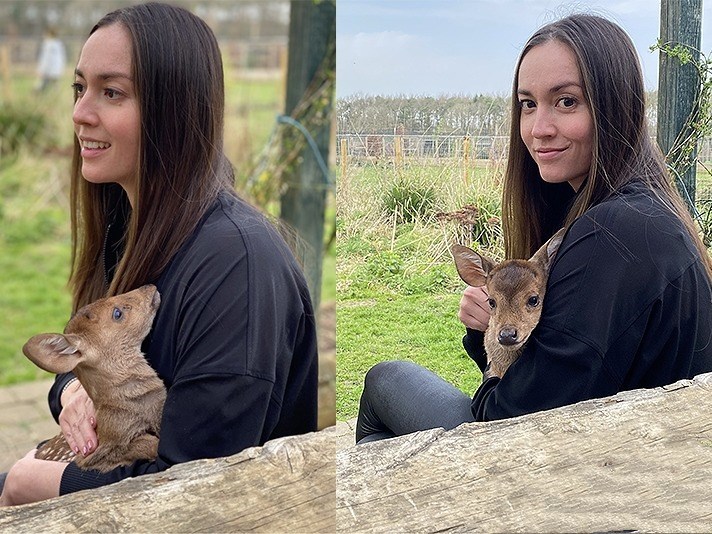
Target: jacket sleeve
(555, 369)
(55, 392)
(474, 346)
(205, 416)
(564, 360)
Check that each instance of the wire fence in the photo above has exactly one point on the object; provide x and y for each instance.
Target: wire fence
(387, 146)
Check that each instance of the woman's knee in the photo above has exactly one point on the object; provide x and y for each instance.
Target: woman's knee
(386, 372)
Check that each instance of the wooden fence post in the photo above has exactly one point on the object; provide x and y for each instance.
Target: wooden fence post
(678, 87)
(312, 29)
(398, 151)
(5, 72)
(344, 156)
(465, 159)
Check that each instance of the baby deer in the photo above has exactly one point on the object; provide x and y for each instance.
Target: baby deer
(102, 345)
(516, 292)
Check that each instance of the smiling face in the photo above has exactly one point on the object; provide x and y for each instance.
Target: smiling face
(555, 121)
(106, 112)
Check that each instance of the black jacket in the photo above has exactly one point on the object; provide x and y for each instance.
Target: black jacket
(234, 341)
(628, 305)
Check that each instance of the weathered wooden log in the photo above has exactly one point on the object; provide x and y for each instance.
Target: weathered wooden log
(286, 486)
(637, 461)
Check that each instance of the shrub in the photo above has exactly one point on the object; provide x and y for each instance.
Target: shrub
(19, 125)
(409, 201)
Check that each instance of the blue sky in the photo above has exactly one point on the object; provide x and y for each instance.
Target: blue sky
(434, 47)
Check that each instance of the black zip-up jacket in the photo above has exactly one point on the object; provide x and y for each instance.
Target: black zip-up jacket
(234, 341)
(628, 305)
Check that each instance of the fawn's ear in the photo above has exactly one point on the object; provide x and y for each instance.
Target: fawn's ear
(471, 266)
(56, 353)
(548, 250)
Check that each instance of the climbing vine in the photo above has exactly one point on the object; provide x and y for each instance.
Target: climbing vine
(283, 152)
(682, 154)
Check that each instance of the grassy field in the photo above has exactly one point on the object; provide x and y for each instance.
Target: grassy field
(34, 206)
(397, 288)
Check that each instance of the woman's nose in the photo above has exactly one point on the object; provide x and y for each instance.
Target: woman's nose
(543, 124)
(84, 112)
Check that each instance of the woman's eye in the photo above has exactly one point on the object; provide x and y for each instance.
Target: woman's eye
(78, 88)
(117, 314)
(111, 93)
(567, 102)
(527, 104)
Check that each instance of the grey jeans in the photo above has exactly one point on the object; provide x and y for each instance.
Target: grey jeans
(400, 397)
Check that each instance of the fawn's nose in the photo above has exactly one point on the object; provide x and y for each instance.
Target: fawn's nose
(507, 336)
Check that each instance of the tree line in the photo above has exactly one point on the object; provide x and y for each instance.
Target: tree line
(473, 115)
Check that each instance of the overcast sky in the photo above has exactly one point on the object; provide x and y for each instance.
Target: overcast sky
(435, 47)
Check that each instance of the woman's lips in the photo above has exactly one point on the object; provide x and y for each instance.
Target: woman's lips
(91, 148)
(546, 154)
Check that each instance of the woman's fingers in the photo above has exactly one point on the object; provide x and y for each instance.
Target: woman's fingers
(474, 308)
(78, 422)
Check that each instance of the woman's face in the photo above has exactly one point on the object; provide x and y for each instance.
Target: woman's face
(555, 120)
(106, 113)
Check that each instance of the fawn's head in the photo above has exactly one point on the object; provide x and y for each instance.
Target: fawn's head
(103, 330)
(516, 289)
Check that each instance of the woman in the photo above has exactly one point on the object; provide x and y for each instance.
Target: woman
(152, 201)
(629, 298)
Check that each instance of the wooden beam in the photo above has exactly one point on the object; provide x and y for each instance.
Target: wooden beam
(286, 486)
(638, 461)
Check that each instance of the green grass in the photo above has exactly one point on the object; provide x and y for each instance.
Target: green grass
(34, 259)
(33, 299)
(328, 277)
(420, 328)
(397, 288)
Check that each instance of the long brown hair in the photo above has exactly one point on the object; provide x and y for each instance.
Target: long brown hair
(622, 149)
(178, 77)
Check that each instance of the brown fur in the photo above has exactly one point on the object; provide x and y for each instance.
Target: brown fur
(104, 351)
(516, 291)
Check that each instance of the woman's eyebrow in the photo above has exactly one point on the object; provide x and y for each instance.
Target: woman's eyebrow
(105, 75)
(564, 85)
(555, 89)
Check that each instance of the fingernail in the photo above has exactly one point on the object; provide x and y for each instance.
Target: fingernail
(76, 450)
(92, 421)
(90, 446)
(84, 451)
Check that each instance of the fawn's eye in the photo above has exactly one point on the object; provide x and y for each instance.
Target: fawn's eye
(118, 314)
(533, 301)
(492, 304)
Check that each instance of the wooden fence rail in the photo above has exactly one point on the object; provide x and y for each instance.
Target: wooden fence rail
(640, 461)
(286, 486)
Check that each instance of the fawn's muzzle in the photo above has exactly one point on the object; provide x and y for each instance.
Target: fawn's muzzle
(507, 336)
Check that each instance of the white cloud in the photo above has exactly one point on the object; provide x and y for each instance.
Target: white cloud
(466, 46)
(394, 62)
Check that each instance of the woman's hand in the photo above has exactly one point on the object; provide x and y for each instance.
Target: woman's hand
(474, 309)
(78, 419)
